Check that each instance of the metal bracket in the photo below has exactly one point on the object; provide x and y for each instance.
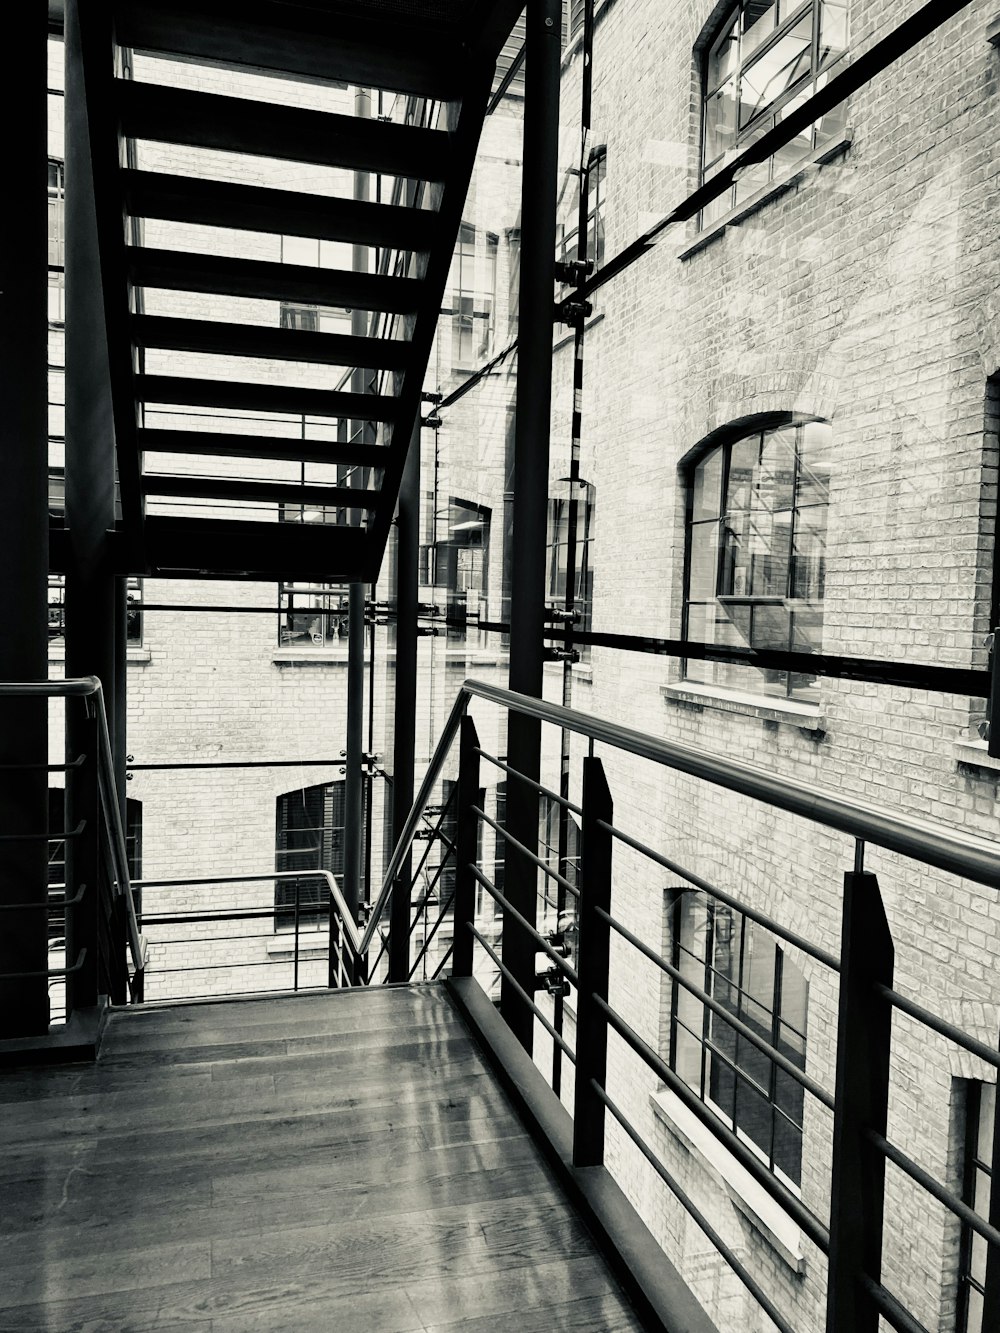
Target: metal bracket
(562, 655)
(574, 313)
(573, 271)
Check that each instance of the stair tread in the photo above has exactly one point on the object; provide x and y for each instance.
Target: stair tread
(282, 212)
(226, 275)
(261, 446)
(422, 58)
(265, 397)
(268, 129)
(222, 488)
(332, 349)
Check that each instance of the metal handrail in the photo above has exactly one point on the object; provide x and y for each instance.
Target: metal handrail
(89, 687)
(959, 853)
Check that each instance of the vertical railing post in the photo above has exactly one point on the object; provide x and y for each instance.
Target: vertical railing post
(295, 965)
(864, 1030)
(466, 840)
(593, 966)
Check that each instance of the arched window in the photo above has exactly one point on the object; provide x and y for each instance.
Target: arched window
(756, 554)
(768, 56)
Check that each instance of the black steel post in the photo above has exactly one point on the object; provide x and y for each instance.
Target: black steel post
(593, 966)
(24, 1005)
(864, 1028)
(405, 710)
(466, 841)
(90, 471)
(531, 468)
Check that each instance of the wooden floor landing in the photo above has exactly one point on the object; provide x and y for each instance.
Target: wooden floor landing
(342, 1161)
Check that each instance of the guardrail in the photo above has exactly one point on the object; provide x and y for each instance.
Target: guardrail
(90, 778)
(850, 1236)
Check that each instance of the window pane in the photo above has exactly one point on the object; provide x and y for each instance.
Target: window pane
(704, 560)
(780, 66)
(720, 122)
(833, 31)
(815, 455)
(722, 60)
(758, 22)
(707, 487)
(987, 1111)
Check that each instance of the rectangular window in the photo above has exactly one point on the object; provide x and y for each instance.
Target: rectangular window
(756, 559)
(560, 555)
(980, 1113)
(569, 224)
(313, 615)
(57, 606)
(472, 288)
(740, 965)
(309, 835)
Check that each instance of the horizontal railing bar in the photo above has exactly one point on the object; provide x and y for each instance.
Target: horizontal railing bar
(686, 1202)
(891, 1308)
(350, 928)
(522, 994)
(48, 971)
(939, 1025)
(958, 853)
(782, 1061)
(529, 782)
(775, 927)
(237, 763)
(45, 837)
(186, 918)
(47, 906)
(539, 939)
(783, 1196)
(535, 860)
(923, 1178)
(78, 762)
(223, 939)
(430, 935)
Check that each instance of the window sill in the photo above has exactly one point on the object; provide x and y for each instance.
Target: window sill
(807, 717)
(752, 1200)
(57, 653)
(766, 193)
(308, 655)
(975, 754)
(312, 944)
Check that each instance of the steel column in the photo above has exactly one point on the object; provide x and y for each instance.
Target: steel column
(405, 709)
(531, 468)
(24, 1004)
(862, 1099)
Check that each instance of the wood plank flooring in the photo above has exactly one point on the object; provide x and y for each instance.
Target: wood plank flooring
(341, 1161)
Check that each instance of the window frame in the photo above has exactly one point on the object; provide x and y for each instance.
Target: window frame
(819, 67)
(709, 1049)
(754, 428)
(973, 1168)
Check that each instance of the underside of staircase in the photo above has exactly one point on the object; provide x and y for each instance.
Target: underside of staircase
(276, 191)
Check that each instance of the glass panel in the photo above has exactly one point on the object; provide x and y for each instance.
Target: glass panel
(759, 17)
(833, 31)
(977, 1259)
(975, 1318)
(720, 122)
(759, 958)
(707, 486)
(704, 560)
(987, 1112)
(815, 461)
(722, 60)
(753, 1115)
(700, 629)
(776, 70)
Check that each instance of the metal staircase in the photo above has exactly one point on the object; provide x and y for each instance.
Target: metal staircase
(292, 466)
